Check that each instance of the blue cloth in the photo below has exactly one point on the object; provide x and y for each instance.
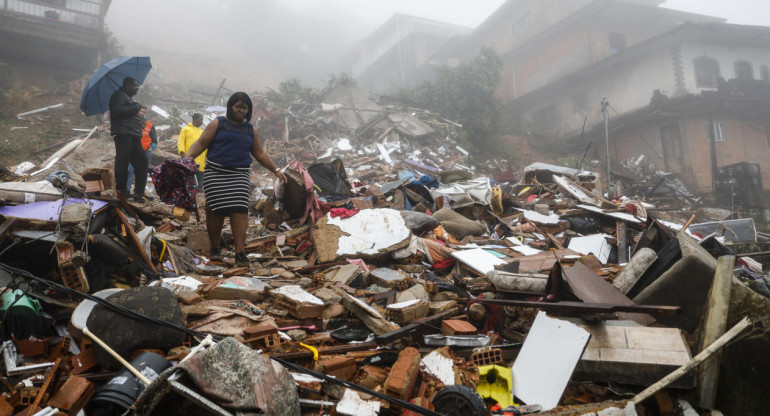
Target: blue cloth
(426, 181)
(131, 170)
(232, 144)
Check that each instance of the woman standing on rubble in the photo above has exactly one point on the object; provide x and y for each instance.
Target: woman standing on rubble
(231, 141)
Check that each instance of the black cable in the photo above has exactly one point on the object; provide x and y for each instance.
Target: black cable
(109, 305)
(398, 402)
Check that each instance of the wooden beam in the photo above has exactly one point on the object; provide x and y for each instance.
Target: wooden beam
(135, 239)
(714, 326)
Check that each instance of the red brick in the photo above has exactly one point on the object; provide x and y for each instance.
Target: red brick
(457, 327)
(403, 374)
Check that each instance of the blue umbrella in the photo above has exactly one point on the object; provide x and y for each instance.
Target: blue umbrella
(105, 81)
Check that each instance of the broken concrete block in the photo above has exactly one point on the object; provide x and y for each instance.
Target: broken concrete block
(403, 374)
(369, 234)
(198, 241)
(389, 278)
(371, 376)
(344, 274)
(441, 306)
(296, 334)
(239, 287)
(408, 311)
(415, 292)
(298, 303)
(327, 296)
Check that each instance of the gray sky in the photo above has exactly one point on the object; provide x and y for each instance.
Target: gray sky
(255, 44)
(745, 12)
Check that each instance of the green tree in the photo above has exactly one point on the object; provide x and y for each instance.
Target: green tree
(110, 47)
(290, 91)
(465, 94)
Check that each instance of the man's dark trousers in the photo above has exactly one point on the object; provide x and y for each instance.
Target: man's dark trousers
(129, 149)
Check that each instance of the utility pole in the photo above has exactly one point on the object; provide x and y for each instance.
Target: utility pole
(606, 114)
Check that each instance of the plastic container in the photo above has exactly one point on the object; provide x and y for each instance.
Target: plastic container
(24, 305)
(118, 394)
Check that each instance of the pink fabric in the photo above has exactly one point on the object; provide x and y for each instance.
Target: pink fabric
(360, 263)
(343, 212)
(314, 209)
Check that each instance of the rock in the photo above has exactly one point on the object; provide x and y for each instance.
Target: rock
(297, 334)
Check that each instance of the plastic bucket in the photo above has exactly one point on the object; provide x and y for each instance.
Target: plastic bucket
(121, 391)
(25, 304)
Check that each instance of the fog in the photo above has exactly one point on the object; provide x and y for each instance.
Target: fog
(257, 44)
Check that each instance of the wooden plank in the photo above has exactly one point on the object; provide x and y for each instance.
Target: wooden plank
(543, 261)
(714, 326)
(591, 288)
(633, 355)
(134, 238)
(622, 237)
(697, 360)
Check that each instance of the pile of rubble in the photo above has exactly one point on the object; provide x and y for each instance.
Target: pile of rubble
(389, 275)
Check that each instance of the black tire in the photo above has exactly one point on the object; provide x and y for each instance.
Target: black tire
(460, 401)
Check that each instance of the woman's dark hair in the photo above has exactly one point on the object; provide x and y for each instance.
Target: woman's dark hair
(242, 97)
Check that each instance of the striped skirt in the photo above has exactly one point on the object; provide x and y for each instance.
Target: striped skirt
(227, 188)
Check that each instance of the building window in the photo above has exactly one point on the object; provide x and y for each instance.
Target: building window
(672, 143)
(706, 72)
(764, 73)
(521, 22)
(617, 42)
(743, 70)
(719, 132)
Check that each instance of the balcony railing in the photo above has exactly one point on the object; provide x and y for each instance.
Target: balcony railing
(83, 13)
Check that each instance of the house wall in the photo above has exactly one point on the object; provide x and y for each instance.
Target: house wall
(744, 142)
(726, 56)
(626, 85)
(518, 21)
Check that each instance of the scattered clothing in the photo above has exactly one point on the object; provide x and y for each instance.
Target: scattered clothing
(343, 212)
(174, 182)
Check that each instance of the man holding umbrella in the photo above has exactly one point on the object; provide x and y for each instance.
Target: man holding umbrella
(126, 128)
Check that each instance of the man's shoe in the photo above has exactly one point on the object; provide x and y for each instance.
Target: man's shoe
(215, 254)
(242, 260)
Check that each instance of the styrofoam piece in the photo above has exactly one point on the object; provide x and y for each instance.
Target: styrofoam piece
(595, 244)
(478, 259)
(547, 359)
(370, 231)
(440, 366)
(352, 404)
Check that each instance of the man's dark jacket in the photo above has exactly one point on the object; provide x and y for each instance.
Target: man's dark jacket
(124, 115)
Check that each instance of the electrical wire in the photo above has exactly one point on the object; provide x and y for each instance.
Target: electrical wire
(107, 304)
